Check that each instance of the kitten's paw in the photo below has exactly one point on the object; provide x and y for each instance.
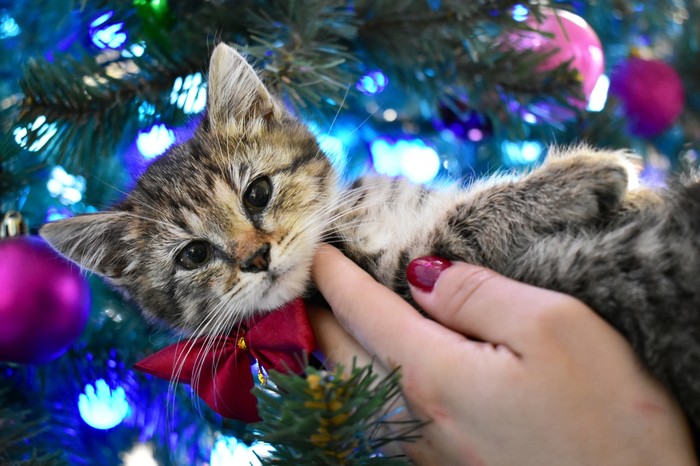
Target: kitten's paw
(595, 183)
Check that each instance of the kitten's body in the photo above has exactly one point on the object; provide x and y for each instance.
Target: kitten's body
(226, 224)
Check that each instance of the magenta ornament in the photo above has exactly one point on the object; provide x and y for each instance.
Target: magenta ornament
(572, 39)
(44, 301)
(651, 93)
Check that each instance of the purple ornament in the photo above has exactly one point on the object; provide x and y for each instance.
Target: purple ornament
(44, 301)
(651, 93)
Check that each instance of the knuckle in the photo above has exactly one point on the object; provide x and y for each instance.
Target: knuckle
(560, 313)
(464, 288)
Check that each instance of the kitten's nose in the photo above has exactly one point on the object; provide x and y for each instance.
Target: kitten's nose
(259, 261)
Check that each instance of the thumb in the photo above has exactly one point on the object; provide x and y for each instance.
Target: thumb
(475, 301)
(335, 344)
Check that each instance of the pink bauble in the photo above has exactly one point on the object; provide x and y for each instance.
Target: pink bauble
(651, 93)
(573, 39)
(44, 301)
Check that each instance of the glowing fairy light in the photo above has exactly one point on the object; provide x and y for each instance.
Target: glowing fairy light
(475, 134)
(384, 158)
(105, 34)
(103, 408)
(8, 26)
(521, 153)
(372, 83)
(599, 94)
(419, 162)
(229, 451)
(42, 131)
(53, 214)
(529, 118)
(333, 145)
(390, 114)
(154, 141)
(520, 12)
(140, 455)
(134, 50)
(411, 158)
(146, 109)
(67, 188)
(189, 93)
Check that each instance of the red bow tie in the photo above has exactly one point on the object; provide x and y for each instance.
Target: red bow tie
(278, 340)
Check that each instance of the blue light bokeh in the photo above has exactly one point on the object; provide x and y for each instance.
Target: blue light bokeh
(372, 83)
(105, 34)
(155, 140)
(411, 158)
(103, 408)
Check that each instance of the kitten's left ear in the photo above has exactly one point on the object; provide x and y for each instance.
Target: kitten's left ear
(235, 92)
(97, 242)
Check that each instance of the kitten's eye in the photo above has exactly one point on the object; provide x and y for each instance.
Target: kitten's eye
(257, 195)
(195, 254)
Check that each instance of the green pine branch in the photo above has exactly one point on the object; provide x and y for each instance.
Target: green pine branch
(304, 48)
(310, 52)
(332, 418)
(18, 426)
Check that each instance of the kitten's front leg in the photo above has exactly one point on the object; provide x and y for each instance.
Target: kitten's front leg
(495, 222)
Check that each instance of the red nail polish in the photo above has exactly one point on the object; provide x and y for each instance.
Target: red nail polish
(424, 271)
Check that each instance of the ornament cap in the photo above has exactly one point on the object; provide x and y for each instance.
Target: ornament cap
(13, 224)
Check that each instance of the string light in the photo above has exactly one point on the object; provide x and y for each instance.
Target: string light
(372, 83)
(190, 93)
(53, 214)
(520, 12)
(412, 158)
(333, 145)
(140, 455)
(521, 153)
(44, 132)
(8, 26)
(134, 50)
(153, 142)
(106, 35)
(229, 451)
(103, 408)
(67, 188)
(599, 94)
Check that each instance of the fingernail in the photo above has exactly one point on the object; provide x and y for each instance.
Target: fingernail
(424, 271)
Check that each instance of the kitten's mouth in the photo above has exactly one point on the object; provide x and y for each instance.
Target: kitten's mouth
(279, 286)
(272, 278)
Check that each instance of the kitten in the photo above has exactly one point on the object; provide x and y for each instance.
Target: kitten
(226, 224)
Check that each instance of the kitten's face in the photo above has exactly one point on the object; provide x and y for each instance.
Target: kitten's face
(224, 225)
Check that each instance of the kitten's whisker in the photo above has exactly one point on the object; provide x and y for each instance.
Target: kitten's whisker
(335, 118)
(201, 329)
(227, 319)
(362, 123)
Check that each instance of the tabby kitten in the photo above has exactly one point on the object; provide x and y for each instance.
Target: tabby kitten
(225, 226)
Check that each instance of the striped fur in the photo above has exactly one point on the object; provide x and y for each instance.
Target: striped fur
(571, 225)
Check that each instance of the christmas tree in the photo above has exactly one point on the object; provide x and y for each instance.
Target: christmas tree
(92, 91)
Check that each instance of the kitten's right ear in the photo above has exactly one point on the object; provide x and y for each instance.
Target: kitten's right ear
(235, 92)
(96, 242)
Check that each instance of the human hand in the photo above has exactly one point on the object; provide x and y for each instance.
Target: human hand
(506, 373)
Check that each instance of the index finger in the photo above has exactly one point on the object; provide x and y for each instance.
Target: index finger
(380, 320)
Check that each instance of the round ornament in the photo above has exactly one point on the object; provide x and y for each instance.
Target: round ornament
(572, 40)
(651, 93)
(44, 301)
